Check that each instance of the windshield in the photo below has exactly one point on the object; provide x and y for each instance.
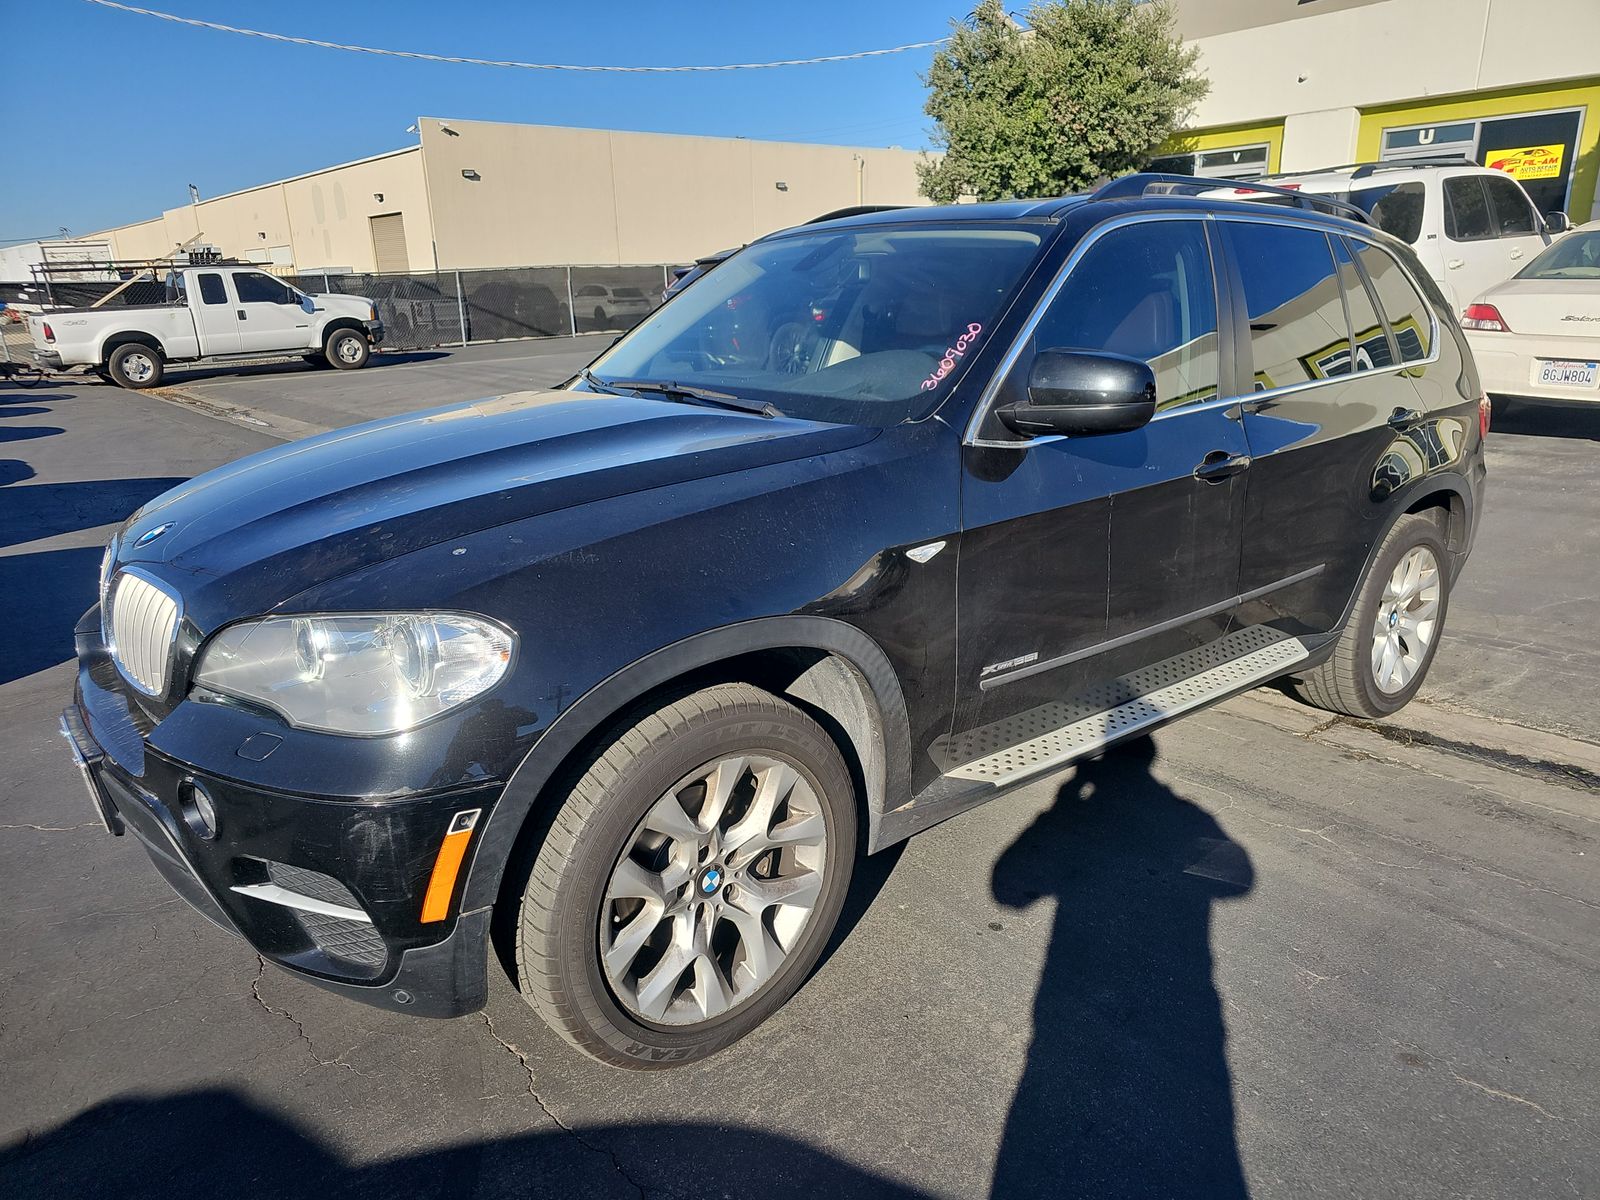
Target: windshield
(868, 326)
(1576, 256)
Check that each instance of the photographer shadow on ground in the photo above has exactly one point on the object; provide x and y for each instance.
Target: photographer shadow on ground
(1126, 1090)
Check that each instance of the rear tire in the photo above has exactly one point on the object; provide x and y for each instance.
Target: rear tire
(348, 349)
(136, 366)
(1386, 647)
(660, 924)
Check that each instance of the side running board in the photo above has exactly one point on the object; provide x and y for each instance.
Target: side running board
(1055, 734)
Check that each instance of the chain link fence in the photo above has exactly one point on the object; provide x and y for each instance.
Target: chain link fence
(437, 308)
(453, 308)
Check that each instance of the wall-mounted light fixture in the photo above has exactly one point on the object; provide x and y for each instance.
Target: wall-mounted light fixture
(781, 186)
(262, 234)
(469, 173)
(378, 196)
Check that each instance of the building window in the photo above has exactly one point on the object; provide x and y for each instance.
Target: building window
(1538, 150)
(1234, 162)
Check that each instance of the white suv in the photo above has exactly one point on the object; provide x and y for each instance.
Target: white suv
(1472, 226)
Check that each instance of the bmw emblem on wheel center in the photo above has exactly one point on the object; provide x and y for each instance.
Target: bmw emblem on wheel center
(710, 881)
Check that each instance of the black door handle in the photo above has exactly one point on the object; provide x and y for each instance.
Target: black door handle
(1402, 419)
(241, 314)
(1220, 465)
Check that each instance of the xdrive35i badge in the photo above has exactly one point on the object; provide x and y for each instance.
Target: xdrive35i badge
(151, 535)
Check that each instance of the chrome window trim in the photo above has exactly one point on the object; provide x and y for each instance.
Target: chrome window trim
(1019, 343)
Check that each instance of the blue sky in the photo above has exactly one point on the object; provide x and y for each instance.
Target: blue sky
(114, 114)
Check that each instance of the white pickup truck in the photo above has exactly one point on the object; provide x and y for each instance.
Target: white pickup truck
(210, 312)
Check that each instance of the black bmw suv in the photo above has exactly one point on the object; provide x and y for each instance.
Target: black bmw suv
(882, 517)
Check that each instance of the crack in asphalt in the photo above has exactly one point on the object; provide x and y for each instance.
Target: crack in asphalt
(55, 828)
(300, 1030)
(1553, 770)
(516, 1052)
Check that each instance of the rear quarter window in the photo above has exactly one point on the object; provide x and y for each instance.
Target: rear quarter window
(1409, 315)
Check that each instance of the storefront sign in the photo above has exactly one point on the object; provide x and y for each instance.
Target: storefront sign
(1528, 162)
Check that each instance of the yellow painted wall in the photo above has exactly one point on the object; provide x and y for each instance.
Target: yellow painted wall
(1584, 94)
(1225, 137)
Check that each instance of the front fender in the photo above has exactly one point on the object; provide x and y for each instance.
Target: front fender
(887, 778)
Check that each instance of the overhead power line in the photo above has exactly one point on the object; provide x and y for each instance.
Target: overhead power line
(490, 62)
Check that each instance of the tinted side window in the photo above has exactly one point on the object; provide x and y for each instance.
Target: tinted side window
(211, 289)
(1297, 326)
(255, 288)
(1371, 339)
(1398, 210)
(1408, 313)
(1145, 291)
(1512, 213)
(1466, 209)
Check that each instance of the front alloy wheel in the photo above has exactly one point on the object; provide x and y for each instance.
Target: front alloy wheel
(690, 879)
(716, 887)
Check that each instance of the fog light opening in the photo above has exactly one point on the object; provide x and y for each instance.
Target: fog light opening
(199, 813)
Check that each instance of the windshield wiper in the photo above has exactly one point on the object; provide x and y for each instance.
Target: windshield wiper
(684, 391)
(598, 384)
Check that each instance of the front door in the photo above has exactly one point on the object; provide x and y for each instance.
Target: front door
(1083, 558)
(270, 314)
(214, 314)
(1519, 226)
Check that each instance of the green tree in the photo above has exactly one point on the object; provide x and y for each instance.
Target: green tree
(1088, 90)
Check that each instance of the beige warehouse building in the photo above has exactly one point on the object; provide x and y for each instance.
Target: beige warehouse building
(475, 194)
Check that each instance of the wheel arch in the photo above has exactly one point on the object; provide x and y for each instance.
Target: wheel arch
(828, 668)
(335, 324)
(129, 337)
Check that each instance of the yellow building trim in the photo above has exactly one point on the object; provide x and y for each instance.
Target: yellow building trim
(1584, 94)
(1227, 137)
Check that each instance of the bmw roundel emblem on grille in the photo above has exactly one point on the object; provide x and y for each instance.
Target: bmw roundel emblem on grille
(151, 535)
(711, 880)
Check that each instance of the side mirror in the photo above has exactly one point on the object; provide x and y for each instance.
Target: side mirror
(1074, 392)
(1557, 222)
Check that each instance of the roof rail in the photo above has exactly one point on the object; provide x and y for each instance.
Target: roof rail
(855, 210)
(1363, 170)
(1145, 183)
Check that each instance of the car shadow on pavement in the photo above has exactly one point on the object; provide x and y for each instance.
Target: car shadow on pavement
(1126, 1090)
(1529, 418)
(36, 511)
(208, 1144)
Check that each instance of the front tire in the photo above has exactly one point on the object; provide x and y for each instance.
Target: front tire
(136, 366)
(690, 881)
(1387, 645)
(348, 349)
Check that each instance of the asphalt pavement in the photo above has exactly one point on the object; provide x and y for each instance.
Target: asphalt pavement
(1264, 953)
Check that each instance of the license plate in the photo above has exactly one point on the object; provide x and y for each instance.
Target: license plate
(1560, 372)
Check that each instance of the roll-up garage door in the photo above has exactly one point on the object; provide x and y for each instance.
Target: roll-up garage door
(389, 242)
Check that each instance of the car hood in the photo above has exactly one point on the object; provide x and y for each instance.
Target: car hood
(251, 535)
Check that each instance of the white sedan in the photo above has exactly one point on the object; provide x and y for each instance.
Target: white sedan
(1537, 335)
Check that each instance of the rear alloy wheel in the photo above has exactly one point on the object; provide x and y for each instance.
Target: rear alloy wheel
(690, 881)
(136, 366)
(348, 349)
(1389, 641)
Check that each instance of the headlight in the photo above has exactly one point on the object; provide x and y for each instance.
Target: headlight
(358, 673)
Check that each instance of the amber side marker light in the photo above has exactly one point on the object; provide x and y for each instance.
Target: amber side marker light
(442, 884)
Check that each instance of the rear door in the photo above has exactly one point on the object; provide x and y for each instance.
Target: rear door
(270, 314)
(1084, 558)
(1330, 398)
(215, 315)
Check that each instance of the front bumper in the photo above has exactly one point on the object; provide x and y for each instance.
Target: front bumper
(330, 889)
(375, 332)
